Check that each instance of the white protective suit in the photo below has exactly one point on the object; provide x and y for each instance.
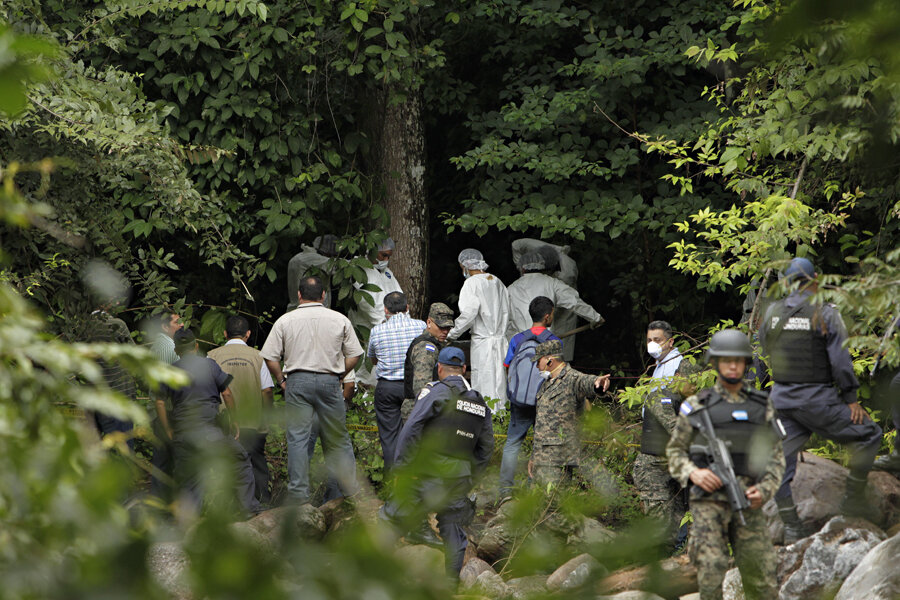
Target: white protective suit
(531, 285)
(299, 266)
(369, 316)
(563, 320)
(484, 308)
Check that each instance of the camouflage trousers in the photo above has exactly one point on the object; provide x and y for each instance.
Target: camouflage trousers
(715, 526)
(591, 476)
(406, 408)
(662, 497)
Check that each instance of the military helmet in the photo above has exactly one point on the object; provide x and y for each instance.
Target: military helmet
(730, 342)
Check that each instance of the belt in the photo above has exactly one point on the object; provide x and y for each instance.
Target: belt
(289, 373)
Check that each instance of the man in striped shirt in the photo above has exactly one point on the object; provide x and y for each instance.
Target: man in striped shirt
(387, 350)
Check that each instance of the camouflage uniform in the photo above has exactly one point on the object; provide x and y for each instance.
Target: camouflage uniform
(557, 439)
(716, 525)
(108, 329)
(661, 496)
(420, 367)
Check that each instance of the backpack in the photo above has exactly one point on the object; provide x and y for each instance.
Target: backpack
(523, 380)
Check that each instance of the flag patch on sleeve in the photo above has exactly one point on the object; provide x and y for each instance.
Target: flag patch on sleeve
(430, 347)
(686, 408)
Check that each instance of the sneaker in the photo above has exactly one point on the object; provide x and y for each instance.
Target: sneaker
(889, 462)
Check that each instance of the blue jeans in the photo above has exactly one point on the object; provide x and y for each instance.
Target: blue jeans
(317, 394)
(521, 419)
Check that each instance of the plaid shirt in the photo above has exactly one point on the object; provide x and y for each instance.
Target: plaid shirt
(389, 341)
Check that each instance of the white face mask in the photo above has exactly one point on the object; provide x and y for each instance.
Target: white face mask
(466, 273)
(654, 349)
(545, 375)
(381, 265)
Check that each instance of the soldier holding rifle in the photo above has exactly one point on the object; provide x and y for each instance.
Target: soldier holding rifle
(727, 443)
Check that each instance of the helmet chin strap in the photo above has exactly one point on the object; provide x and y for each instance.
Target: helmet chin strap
(731, 380)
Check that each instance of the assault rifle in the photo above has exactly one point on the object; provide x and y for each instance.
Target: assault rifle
(720, 463)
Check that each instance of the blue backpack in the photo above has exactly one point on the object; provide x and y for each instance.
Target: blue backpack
(523, 380)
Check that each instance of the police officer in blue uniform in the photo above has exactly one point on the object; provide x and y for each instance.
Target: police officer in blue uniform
(446, 442)
(814, 390)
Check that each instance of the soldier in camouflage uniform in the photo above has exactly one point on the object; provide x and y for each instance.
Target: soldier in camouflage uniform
(662, 497)
(420, 366)
(744, 418)
(103, 327)
(560, 403)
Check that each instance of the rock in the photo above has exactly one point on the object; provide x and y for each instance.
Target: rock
(694, 596)
(819, 486)
(817, 565)
(167, 563)
(893, 530)
(886, 495)
(674, 576)
(589, 534)
(423, 563)
(574, 573)
(631, 595)
(471, 570)
(492, 585)
(268, 529)
(733, 587)
(532, 586)
(877, 576)
(495, 540)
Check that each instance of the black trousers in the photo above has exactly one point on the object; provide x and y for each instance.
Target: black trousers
(388, 400)
(254, 442)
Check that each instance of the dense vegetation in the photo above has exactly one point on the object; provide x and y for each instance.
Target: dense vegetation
(683, 149)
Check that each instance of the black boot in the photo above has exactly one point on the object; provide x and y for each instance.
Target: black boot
(794, 528)
(424, 535)
(889, 462)
(854, 503)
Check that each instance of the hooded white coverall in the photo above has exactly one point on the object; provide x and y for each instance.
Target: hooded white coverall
(484, 308)
(369, 316)
(530, 285)
(563, 320)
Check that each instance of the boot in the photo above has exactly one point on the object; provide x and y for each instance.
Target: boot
(424, 535)
(889, 463)
(854, 503)
(794, 529)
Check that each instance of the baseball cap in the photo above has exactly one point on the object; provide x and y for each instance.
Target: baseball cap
(452, 356)
(441, 314)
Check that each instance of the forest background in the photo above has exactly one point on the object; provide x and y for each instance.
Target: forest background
(684, 150)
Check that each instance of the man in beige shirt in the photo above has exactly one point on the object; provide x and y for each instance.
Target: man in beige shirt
(318, 347)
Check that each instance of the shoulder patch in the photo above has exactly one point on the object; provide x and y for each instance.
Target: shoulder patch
(665, 401)
(686, 408)
(425, 391)
(430, 347)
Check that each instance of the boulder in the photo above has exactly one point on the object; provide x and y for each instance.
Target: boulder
(423, 563)
(631, 595)
(491, 585)
(574, 573)
(876, 577)
(268, 529)
(495, 541)
(819, 486)
(816, 566)
(733, 587)
(532, 586)
(672, 577)
(590, 533)
(471, 570)
(694, 596)
(167, 564)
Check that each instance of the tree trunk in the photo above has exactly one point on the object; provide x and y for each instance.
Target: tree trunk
(402, 173)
